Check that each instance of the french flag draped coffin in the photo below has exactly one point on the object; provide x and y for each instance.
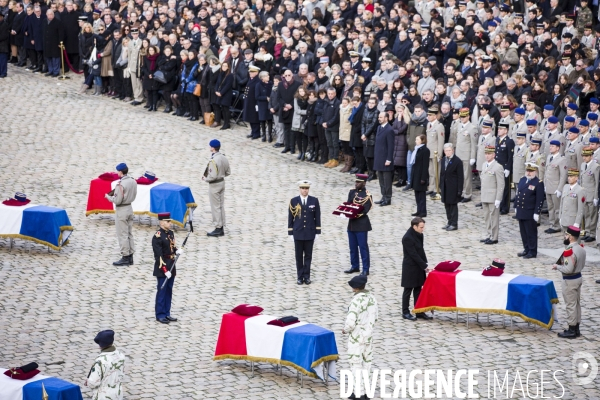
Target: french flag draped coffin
(31, 389)
(301, 345)
(45, 225)
(523, 296)
(150, 200)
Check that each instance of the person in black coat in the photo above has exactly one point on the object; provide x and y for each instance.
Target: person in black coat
(224, 93)
(419, 176)
(116, 82)
(149, 66)
(17, 37)
(528, 203)
(204, 81)
(451, 185)
(33, 30)
(250, 114)
(53, 36)
(505, 147)
(86, 46)
(356, 143)
(70, 19)
(4, 46)
(414, 266)
(304, 227)
(359, 227)
(285, 94)
(167, 64)
(383, 162)
(262, 93)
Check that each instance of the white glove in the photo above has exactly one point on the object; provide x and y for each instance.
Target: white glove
(472, 161)
(536, 217)
(291, 238)
(558, 193)
(168, 274)
(317, 237)
(497, 203)
(506, 173)
(179, 252)
(576, 225)
(343, 216)
(595, 202)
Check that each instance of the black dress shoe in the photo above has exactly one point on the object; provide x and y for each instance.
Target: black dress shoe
(584, 237)
(430, 192)
(406, 188)
(465, 200)
(186, 115)
(422, 215)
(385, 203)
(352, 271)
(529, 255)
(409, 316)
(193, 119)
(162, 320)
(422, 315)
(299, 281)
(490, 242)
(307, 281)
(589, 239)
(135, 103)
(172, 319)
(378, 201)
(249, 136)
(598, 281)
(503, 212)
(522, 254)
(414, 214)
(365, 273)
(277, 145)
(550, 230)
(451, 228)
(124, 261)
(216, 232)
(478, 205)
(130, 259)
(285, 151)
(484, 240)
(570, 333)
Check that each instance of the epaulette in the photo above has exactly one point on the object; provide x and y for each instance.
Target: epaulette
(157, 234)
(568, 253)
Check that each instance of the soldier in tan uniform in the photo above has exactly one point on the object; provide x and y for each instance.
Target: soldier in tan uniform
(593, 118)
(486, 139)
(519, 157)
(215, 173)
(555, 180)
(454, 127)
(553, 133)
(466, 150)
(570, 266)
(506, 119)
(435, 142)
(569, 123)
(534, 156)
(584, 132)
(571, 201)
(530, 112)
(122, 196)
(532, 130)
(573, 149)
(519, 125)
(589, 174)
(547, 113)
(595, 146)
(492, 188)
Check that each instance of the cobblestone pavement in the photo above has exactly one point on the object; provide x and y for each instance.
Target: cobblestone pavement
(52, 304)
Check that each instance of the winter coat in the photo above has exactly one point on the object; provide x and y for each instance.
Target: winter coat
(416, 128)
(70, 22)
(168, 66)
(86, 45)
(299, 115)
(451, 180)
(147, 82)
(224, 86)
(4, 37)
(355, 132)
(286, 96)
(400, 143)
(414, 260)
(319, 107)
(311, 121)
(17, 26)
(212, 82)
(106, 66)
(53, 35)
(188, 78)
(345, 127)
(262, 93)
(34, 30)
(369, 130)
(331, 114)
(384, 149)
(420, 170)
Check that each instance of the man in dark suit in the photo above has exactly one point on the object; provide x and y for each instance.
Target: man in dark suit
(53, 35)
(359, 227)
(250, 107)
(450, 48)
(528, 202)
(238, 70)
(304, 227)
(17, 36)
(486, 71)
(414, 266)
(451, 185)
(505, 147)
(383, 161)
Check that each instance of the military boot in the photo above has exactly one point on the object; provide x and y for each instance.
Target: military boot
(124, 261)
(570, 333)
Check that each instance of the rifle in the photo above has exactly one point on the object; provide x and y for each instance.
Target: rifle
(182, 246)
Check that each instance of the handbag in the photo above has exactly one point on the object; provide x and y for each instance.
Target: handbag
(209, 118)
(159, 76)
(197, 90)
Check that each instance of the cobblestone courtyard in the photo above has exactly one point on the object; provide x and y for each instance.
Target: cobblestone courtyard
(52, 304)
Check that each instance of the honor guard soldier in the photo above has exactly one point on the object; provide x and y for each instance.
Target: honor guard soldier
(553, 133)
(571, 201)
(584, 132)
(358, 228)
(504, 156)
(554, 182)
(520, 154)
(593, 119)
(573, 149)
(570, 266)
(214, 174)
(528, 204)
(492, 188)
(536, 157)
(304, 228)
(506, 119)
(520, 125)
(163, 246)
(466, 150)
(589, 174)
(250, 106)
(106, 375)
(122, 196)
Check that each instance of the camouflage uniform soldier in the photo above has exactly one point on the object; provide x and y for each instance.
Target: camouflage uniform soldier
(584, 17)
(108, 370)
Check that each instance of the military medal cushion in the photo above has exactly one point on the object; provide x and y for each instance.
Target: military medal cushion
(447, 266)
(284, 321)
(247, 309)
(19, 200)
(109, 176)
(23, 373)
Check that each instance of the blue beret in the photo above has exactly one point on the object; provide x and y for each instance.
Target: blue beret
(594, 139)
(594, 100)
(592, 116)
(536, 141)
(521, 135)
(553, 120)
(487, 124)
(555, 143)
(568, 118)
(214, 143)
(105, 338)
(121, 166)
(574, 130)
(20, 196)
(531, 122)
(492, 23)
(573, 106)
(520, 111)
(150, 175)
(549, 107)
(584, 122)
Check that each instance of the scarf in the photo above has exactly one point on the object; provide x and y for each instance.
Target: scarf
(321, 81)
(287, 84)
(413, 156)
(215, 68)
(153, 61)
(418, 120)
(353, 113)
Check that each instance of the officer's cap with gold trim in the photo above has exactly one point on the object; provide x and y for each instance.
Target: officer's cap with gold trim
(165, 216)
(587, 152)
(531, 166)
(361, 177)
(464, 112)
(253, 68)
(572, 172)
(490, 149)
(304, 184)
(536, 141)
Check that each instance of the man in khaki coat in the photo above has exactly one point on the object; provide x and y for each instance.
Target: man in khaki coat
(492, 188)
(133, 65)
(536, 157)
(214, 174)
(435, 142)
(573, 149)
(589, 174)
(571, 201)
(554, 182)
(466, 150)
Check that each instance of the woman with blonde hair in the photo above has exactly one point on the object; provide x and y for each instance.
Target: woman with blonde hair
(126, 89)
(86, 46)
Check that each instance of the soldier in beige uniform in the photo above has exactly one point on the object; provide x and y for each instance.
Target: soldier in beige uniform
(519, 125)
(506, 119)
(484, 115)
(584, 132)
(520, 155)
(593, 118)
(595, 146)
(215, 173)
(571, 201)
(492, 188)
(570, 265)
(454, 127)
(466, 150)
(589, 174)
(134, 67)
(486, 139)
(532, 130)
(547, 113)
(569, 123)
(530, 112)
(435, 143)
(554, 182)
(553, 133)
(534, 156)
(122, 196)
(573, 149)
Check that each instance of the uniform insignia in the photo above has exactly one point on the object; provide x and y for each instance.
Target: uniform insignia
(157, 234)
(583, 199)
(531, 187)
